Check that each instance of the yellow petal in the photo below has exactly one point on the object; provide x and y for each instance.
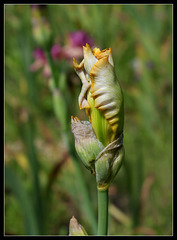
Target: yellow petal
(107, 52)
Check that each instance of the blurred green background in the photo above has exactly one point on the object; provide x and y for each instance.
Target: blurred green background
(41, 188)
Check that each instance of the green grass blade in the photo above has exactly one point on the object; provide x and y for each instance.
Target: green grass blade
(15, 184)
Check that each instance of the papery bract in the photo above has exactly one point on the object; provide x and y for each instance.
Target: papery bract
(86, 143)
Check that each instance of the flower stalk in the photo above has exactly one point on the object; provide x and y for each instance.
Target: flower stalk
(103, 212)
(99, 142)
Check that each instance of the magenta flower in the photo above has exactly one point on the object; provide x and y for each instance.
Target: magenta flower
(56, 51)
(39, 54)
(79, 39)
(40, 62)
(70, 51)
(73, 48)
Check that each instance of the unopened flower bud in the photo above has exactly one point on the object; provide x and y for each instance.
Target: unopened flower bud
(86, 143)
(101, 94)
(108, 163)
(75, 229)
(102, 98)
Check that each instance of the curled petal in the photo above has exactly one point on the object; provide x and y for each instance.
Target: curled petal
(79, 68)
(100, 54)
(106, 92)
(85, 86)
(89, 58)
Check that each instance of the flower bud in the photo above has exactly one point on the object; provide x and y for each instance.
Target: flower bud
(86, 143)
(75, 229)
(102, 98)
(108, 163)
(101, 94)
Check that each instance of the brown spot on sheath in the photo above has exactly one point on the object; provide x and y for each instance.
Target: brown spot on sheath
(74, 119)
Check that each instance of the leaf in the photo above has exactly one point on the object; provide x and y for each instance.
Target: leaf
(16, 185)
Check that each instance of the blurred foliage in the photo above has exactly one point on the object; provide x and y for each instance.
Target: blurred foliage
(38, 164)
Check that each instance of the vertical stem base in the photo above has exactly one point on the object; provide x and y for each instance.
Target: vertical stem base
(102, 212)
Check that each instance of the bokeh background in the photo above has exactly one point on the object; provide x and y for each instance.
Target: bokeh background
(42, 187)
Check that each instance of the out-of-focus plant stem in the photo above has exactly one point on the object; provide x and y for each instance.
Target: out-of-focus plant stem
(102, 212)
(120, 216)
(27, 133)
(53, 71)
(70, 145)
(135, 171)
(16, 185)
(26, 127)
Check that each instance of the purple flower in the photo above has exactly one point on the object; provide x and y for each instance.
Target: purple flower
(56, 51)
(39, 54)
(40, 62)
(79, 39)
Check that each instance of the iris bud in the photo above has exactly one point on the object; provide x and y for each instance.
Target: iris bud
(86, 143)
(108, 163)
(75, 229)
(101, 94)
(100, 142)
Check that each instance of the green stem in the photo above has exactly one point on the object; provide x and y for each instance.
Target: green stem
(50, 62)
(102, 212)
